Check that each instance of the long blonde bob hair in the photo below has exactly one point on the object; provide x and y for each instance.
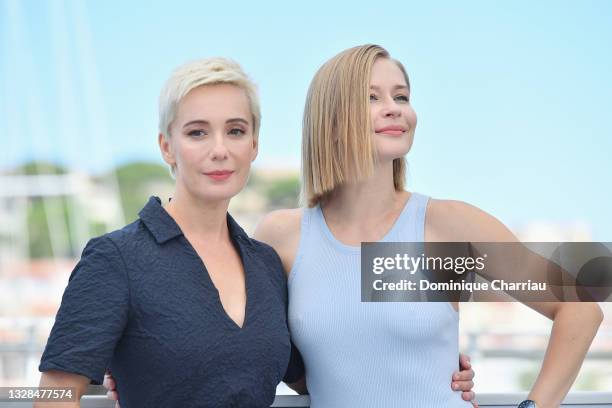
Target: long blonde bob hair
(337, 145)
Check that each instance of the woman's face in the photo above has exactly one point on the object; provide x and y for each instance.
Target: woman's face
(212, 144)
(392, 117)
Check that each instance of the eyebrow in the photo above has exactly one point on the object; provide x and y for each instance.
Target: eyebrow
(396, 87)
(205, 122)
(241, 120)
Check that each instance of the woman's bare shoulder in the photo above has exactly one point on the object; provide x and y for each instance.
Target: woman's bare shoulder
(281, 230)
(279, 225)
(458, 221)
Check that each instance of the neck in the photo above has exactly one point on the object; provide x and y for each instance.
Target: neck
(370, 199)
(198, 217)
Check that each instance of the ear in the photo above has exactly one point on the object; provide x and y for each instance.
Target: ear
(255, 149)
(165, 148)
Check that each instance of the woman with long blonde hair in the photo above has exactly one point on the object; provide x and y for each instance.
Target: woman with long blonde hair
(358, 126)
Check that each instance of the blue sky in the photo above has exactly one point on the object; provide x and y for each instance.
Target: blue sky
(513, 98)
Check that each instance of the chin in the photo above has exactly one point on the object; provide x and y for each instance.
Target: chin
(217, 193)
(391, 154)
(216, 196)
(393, 149)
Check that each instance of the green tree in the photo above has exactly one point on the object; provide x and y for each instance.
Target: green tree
(38, 232)
(137, 181)
(38, 167)
(282, 193)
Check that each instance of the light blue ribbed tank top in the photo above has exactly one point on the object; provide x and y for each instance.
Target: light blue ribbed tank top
(358, 354)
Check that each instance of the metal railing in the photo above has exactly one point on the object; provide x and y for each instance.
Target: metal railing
(574, 400)
(499, 400)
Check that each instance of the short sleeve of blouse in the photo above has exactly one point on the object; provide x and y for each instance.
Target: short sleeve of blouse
(92, 315)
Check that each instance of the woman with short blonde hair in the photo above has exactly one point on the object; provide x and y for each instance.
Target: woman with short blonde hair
(181, 304)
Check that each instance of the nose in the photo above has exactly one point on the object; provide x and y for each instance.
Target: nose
(391, 109)
(219, 150)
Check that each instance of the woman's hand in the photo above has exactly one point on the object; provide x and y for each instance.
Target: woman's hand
(463, 380)
(109, 384)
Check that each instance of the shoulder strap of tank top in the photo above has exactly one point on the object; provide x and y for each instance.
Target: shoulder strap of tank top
(421, 202)
(305, 226)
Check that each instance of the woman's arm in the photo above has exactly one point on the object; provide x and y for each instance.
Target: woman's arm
(60, 379)
(90, 320)
(575, 324)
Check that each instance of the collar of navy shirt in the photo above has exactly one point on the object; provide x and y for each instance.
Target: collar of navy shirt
(163, 227)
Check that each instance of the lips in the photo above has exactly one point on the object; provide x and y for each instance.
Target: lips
(219, 175)
(391, 130)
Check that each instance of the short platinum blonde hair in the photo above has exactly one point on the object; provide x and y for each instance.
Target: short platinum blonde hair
(337, 145)
(209, 71)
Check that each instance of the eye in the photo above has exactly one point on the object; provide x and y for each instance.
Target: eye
(373, 97)
(402, 98)
(237, 132)
(196, 133)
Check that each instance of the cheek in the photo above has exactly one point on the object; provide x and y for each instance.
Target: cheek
(244, 158)
(243, 151)
(411, 117)
(373, 115)
(189, 157)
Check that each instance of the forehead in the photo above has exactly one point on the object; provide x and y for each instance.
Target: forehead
(218, 100)
(386, 72)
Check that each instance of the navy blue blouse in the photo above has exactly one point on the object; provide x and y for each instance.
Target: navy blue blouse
(141, 302)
